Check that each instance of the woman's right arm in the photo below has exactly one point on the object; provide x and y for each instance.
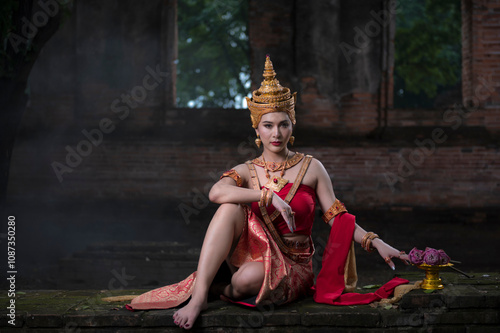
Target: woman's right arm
(226, 190)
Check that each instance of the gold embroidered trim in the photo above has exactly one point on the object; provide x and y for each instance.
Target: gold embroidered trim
(268, 220)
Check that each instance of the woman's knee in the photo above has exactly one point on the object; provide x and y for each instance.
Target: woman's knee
(229, 218)
(231, 208)
(232, 213)
(248, 280)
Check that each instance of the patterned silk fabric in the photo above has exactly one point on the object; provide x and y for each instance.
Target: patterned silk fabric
(284, 281)
(165, 297)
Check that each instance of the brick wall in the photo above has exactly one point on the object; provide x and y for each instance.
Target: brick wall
(481, 59)
(340, 98)
(323, 51)
(346, 93)
(426, 174)
(466, 6)
(480, 76)
(103, 59)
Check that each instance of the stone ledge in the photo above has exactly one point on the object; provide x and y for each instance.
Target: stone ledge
(465, 305)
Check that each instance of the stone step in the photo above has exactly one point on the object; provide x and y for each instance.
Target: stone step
(464, 305)
(127, 265)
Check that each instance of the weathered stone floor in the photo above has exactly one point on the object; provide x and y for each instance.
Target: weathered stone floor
(464, 305)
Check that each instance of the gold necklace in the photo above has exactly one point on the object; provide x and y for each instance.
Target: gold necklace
(274, 166)
(276, 183)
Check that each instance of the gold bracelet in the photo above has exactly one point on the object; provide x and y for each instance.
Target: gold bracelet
(263, 194)
(269, 197)
(368, 245)
(365, 237)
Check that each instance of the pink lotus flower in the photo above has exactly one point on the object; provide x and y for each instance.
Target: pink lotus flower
(416, 256)
(431, 256)
(443, 257)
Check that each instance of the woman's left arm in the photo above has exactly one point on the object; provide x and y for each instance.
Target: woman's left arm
(326, 198)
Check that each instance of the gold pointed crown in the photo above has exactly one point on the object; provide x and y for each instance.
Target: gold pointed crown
(271, 97)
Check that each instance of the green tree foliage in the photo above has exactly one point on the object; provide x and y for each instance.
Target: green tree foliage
(213, 69)
(427, 48)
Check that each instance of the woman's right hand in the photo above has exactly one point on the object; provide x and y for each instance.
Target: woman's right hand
(285, 210)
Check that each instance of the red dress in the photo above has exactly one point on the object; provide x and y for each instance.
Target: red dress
(285, 279)
(303, 205)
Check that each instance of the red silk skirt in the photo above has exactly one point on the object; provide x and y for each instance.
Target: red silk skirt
(285, 280)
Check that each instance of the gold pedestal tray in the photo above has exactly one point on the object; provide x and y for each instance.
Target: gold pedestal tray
(432, 279)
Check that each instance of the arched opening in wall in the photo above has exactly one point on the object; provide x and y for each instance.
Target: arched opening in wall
(213, 68)
(428, 59)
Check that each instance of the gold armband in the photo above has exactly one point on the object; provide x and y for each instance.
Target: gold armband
(234, 175)
(337, 208)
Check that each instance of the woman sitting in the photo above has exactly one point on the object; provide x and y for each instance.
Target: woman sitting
(267, 244)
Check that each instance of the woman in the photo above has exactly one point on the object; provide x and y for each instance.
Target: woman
(268, 246)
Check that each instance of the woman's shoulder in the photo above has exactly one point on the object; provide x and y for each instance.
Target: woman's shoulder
(301, 155)
(317, 169)
(242, 170)
(315, 163)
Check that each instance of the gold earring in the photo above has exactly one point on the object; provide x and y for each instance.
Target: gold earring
(291, 140)
(258, 142)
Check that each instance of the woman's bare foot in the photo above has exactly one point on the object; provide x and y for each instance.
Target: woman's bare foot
(186, 316)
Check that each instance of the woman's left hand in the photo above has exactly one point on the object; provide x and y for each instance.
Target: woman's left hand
(286, 212)
(387, 252)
